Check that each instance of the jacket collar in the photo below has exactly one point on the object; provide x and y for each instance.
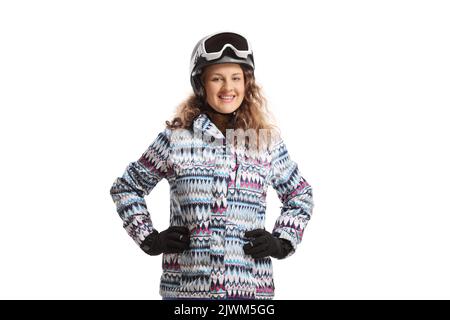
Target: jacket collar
(206, 126)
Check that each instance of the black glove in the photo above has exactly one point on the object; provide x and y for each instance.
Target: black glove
(263, 244)
(173, 240)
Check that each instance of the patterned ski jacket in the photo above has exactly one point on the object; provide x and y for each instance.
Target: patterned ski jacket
(218, 195)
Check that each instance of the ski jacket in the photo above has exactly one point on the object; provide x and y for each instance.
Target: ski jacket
(218, 192)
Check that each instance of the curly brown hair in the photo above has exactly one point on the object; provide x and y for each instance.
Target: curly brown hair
(252, 114)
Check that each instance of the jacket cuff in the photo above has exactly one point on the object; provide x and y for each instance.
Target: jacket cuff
(288, 237)
(138, 228)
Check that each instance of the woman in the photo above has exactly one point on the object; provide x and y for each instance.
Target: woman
(219, 160)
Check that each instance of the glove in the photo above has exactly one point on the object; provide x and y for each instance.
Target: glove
(263, 244)
(175, 239)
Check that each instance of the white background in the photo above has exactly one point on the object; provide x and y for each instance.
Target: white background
(360, 90)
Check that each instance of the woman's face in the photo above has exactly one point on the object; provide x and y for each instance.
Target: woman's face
(225, 86)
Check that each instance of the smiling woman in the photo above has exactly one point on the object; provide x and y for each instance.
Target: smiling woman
(225, 87)
(229, 72)
(216, 246)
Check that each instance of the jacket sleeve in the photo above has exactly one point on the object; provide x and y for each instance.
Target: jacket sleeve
(295, 194)
(138, 180)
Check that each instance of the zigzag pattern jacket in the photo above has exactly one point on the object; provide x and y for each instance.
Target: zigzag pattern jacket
(219, 196)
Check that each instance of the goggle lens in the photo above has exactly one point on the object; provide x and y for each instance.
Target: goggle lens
(217, 42)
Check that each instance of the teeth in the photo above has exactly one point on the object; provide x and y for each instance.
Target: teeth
(226, 97)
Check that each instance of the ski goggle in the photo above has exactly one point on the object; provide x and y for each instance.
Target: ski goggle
(214, 45)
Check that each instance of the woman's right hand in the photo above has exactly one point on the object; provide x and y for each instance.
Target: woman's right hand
(175, 239)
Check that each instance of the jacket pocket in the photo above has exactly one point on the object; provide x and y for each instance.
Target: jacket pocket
(263, 275)
(192, 193)
(251, 177)
(190, 169)
(171, 276)
(195, 263)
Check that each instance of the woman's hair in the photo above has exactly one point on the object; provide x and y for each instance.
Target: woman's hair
(252, 114)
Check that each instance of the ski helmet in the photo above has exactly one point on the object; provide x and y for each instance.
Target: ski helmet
(221, 47)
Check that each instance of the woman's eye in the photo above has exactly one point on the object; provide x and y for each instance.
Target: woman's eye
(215, 79)
(237, 79)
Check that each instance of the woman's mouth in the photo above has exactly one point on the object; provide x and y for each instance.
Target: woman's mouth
(227, 99)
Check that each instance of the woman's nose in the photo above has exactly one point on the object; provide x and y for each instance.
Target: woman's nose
(227, 85)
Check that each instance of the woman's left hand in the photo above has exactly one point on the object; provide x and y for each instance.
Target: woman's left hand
(263, 244)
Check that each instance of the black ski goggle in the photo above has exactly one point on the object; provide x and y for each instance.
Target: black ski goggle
(215, 45)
